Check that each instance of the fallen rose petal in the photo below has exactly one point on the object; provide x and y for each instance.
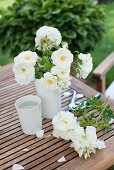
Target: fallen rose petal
(25, 150)
(77, 103)
(78, 96)
(17, 167)
(62, 159)
(66, 94)
(40, 133)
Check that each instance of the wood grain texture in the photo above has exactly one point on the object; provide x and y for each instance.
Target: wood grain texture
(43, 153)
(99, 161)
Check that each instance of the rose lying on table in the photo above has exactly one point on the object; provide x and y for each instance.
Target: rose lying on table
(84, 141)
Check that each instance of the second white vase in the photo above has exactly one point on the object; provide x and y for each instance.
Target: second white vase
(50, 100)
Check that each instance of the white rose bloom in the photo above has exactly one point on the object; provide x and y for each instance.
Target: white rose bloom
(49, 81)
(62, 58)
(47, 37)
(26, 57)
(86, 67)
(24, 73)
(64, 124)
(64, 83)
(85, 142)
(60, 72)
(66, 135)
(83, 74)
(86, 58)
(64, 121)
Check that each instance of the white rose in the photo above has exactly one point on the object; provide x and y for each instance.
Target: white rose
(64, 121)
(47, 37)
(85, 142)
(64, 124)
(26, 57)
(49, 81)
(86, 66)
(60, 72)
(63, 134)
(62, 58)
(85, 58)
(83, 74)
(24, 73)
(64, 83)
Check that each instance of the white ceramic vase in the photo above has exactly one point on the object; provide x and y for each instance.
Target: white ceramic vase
(50, 100)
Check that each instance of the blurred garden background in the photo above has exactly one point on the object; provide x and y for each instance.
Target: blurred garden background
(85, 25)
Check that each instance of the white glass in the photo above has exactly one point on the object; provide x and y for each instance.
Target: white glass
(50, 100)
(29, 112)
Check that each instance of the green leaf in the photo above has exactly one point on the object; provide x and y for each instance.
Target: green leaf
(99, 117)
(70, 34)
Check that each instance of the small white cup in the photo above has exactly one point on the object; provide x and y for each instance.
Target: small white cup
(29, 112)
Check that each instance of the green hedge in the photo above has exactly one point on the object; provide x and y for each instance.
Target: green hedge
(81, 23)
(105, 1)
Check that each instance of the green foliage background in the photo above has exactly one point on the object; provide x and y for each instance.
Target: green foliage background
(105, 1)
(81, 23)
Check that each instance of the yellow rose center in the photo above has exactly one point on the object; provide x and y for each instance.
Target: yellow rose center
(50, 81)
(23, 69)
(62, 58)
(62, 72)
(66, 122)
(85, 137)
(27, 57)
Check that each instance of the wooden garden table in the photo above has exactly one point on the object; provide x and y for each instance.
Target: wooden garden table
(43, 153)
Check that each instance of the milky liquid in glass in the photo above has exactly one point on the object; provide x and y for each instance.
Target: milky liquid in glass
(28, 105)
